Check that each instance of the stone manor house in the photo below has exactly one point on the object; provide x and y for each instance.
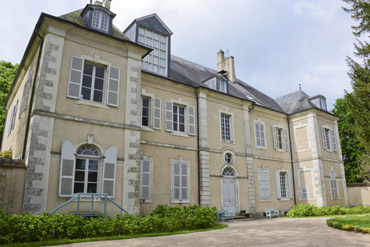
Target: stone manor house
(96, 110)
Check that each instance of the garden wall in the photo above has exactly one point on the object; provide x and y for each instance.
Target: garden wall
(12, 184)
(358, 194)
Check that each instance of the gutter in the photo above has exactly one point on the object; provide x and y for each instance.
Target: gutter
(196, 96)
(291, 162)
(32, 94)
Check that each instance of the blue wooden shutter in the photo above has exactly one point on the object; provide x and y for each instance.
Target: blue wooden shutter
(67, 166)
(109, 171)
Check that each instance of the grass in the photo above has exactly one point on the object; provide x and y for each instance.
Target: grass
(351, 223)
(72, 241)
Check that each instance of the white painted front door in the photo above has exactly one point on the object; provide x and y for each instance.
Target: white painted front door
(229, 195)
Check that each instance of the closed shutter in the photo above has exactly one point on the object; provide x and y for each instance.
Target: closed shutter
(176, 182)
(333, 140)
(262, 133)
(75, 77)
(191, 120)
(157, 113)
(113, 86)
(290, 185)
(169, 116)
(145, 178)
(324, 140)
(26, 91)
(67, 166)
(109, 171)
(277, 185)
(10, 122)
(257, 133)
(185, 182)
(274, 137)
(285, 140)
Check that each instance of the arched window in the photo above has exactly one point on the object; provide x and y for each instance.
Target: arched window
(333, 185)
(87, 169)
(228, 172)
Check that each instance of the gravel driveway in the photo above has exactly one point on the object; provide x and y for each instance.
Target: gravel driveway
(262, 232)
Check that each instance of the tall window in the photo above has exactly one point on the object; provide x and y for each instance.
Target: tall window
(93, 83)
(178, 118)
(280, 138)
(225, 127)
(283, 185)
(13, 118)
(100, 20)
(145, 111)
(145, 179)
(156, 61)
(329, 141)
(87, 169)
(333, 185)
(259, 133)
(222, 85)
(180, 181)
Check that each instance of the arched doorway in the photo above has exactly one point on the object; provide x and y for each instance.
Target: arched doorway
(229, 190)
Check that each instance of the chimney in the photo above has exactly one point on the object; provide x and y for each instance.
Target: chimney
(106, 3)
(226, 66)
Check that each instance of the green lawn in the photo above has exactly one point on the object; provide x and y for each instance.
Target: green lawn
(351, 223)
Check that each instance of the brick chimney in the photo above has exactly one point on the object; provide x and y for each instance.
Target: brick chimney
(106, 3)
(226, 65)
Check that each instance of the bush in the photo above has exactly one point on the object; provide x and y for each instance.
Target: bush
(29, 228)
(306, 210)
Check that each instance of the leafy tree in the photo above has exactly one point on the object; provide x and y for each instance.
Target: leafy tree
(7, 74)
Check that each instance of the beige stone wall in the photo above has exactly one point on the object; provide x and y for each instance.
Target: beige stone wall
(12, 182)
(358, 195)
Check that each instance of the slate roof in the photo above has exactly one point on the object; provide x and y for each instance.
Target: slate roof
(295, 102)
(193, 74)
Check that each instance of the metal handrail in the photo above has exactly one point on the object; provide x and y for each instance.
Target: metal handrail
(78, 197)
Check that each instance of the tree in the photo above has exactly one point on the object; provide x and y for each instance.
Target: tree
(351, 150)
(7, 74)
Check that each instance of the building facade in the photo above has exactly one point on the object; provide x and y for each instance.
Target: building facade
(96, 110)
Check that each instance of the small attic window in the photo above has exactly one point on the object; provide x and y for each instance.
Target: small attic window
(100, 20)
(218, 83)
(319, 101)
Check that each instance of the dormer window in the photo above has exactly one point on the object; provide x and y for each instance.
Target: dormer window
(222, 85)
(319, 101)
(100, 20)
(218, 83)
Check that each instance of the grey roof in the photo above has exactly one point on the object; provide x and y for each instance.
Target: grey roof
(295, 102)
(193, 74)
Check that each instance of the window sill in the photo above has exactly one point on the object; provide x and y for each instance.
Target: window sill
(264, 148)
(181, 202)
(146, 128)
(227, 141)
(284, 199)
(176, 133)
(281, 150)
(144, 201)
(89, 103)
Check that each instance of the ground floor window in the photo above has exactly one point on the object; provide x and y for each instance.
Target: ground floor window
(180, 181)
(333, 185)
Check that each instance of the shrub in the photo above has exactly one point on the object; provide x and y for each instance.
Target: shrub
(29, 228)
(306, 210)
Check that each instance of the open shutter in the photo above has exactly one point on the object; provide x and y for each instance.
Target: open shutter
(191, 120)
(290, 185)
(113, 86)
(75, 77)
(262, 134)
(324, 140)
(67, 166)
(257, 134)
(277, 185)
(109, 171)
(157, 113)
(145, 180)
(169, 116)
(333, 140)
(285, 140)
(274, 136)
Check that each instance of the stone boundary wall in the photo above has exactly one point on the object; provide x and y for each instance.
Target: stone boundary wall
(358, 194)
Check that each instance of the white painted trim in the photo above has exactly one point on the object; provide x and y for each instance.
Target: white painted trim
(231, 123)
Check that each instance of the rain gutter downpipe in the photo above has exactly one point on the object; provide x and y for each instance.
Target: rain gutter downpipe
(198, 137)
(32, 96)
(292, 162)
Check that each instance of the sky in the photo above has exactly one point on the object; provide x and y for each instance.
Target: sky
(277, 44)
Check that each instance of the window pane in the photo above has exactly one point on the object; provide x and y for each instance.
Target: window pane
(80, 176)
(93, 177)
(86, 93)
(184, 181)
(88, 69)
(80, 164)
(98, 96)
(78, 188)
(99, 72)
(176, 181)
(86, 81)
(99, 84)
(176, 195)
(93, 165)
(91, 188)
(184, 193)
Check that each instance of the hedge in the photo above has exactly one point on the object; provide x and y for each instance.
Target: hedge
(305, 210)
(348, 224)
(29, 228)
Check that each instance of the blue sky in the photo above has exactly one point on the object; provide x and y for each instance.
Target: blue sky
(277, 44)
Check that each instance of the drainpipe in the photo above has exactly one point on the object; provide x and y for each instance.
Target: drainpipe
(253, 104)
(291, 162)
(198, 150)
(32, 96)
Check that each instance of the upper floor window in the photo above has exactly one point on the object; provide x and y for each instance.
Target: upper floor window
(13, 117)
(93, 82)
(26, 92)
(280, 138)
(100, 20)
(145, 111)
(329, 140)
(259, 134)
(156, 61)
(222, 85)
(177, 116)
(225, 127)
(218, 83)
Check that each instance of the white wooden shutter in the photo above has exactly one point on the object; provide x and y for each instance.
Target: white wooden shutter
(274, 136)
(191, 120)
(262, 134)
(285, 140)
(333, 140)
(184, 182)
(324, 140)
(67, 167)
(257, 134)
(290, 185)
(75, 77)
(145, 178)
(109, 171)
(176, 182)
(277, 185)
(113, 86)
(169, 116)
(157, 113)
(10, 121)
(26, 91)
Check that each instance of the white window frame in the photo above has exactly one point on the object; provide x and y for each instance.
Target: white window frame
(231, 125)
(177, 123)
(93, 80)
(280, 138)
(260, 123)
(187, 123)
(150, 160)
(225, 127)
(99, 23)
(222, 85)
(288, 185)
(149, 110)
(334, 192)
(182, 163)
(329, 139)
